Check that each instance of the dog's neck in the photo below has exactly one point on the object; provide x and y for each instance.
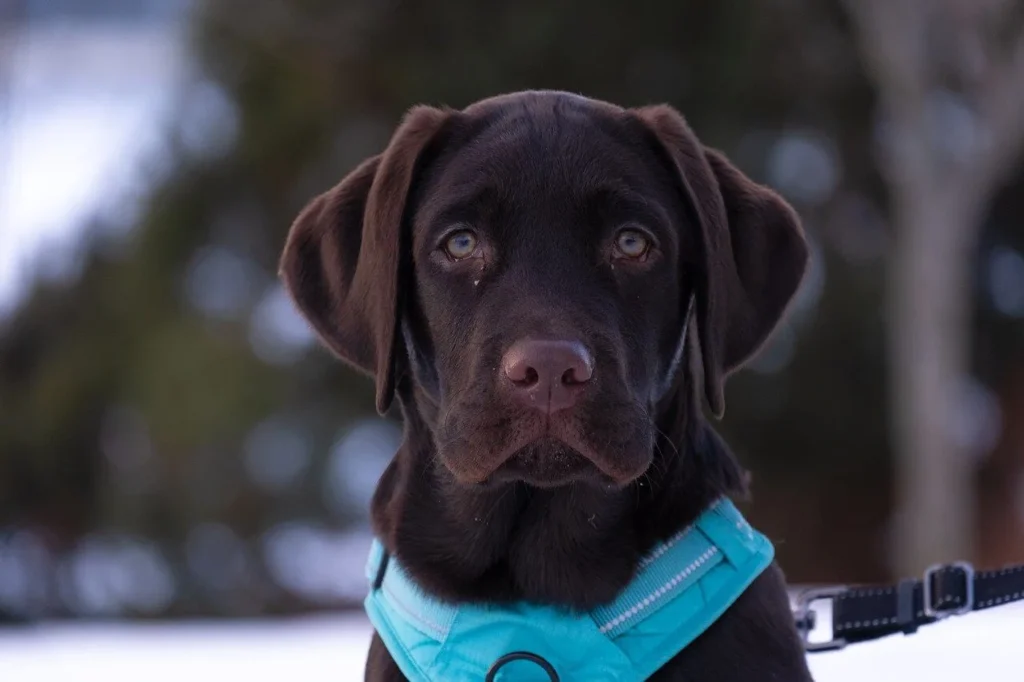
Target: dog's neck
(575, 546)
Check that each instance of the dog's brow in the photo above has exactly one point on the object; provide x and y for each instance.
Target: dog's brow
(621, 198)
(463, 204)
(618, 192)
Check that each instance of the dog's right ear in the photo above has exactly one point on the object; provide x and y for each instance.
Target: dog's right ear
(754, 251)
(341, 259)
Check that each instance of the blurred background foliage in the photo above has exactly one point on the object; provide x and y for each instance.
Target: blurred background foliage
(173, 442)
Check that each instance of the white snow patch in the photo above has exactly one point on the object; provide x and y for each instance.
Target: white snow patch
(982, 646)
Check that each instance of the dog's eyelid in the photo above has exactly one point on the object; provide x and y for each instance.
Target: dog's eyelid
(452, 228)
(639, 227)
(636, 226)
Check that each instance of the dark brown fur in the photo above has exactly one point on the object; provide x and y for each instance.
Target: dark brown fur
(545, 179)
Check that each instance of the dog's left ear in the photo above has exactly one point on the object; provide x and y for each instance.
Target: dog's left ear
(754, 251)
(341, 260)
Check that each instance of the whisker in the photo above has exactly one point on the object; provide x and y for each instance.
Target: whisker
(501, 497)
(667, 439)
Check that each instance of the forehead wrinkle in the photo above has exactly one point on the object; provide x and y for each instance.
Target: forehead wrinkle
(499, 165)
(610, 172)
(620, 195)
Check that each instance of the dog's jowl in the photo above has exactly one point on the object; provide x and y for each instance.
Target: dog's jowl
(555, 289)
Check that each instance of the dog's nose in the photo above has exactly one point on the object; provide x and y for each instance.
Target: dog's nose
(548, 374)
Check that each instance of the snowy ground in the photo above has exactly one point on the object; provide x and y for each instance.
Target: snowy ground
(972, 648)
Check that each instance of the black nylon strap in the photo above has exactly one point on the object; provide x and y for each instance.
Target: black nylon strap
(866, 613)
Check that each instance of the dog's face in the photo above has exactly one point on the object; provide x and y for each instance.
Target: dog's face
(548, 246)
(530, 262)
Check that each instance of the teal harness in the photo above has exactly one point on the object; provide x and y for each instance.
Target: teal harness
(680, 589)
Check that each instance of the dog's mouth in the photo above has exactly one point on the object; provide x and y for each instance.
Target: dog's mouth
(549, 463)
(607, 447)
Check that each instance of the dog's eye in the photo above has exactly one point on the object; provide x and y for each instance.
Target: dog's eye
(461, 244)
(632, 244)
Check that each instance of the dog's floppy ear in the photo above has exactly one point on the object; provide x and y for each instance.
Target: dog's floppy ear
(341, 259)
(754, 251)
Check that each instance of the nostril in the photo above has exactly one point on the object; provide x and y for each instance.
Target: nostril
(580, 367)
(529, 378)
(520, 371)
(569, 377)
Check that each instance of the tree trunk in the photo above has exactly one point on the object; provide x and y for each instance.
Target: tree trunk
(938, 194)
(929, 314)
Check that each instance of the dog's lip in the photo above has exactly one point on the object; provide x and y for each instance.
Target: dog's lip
(613, 470)
(562, 466)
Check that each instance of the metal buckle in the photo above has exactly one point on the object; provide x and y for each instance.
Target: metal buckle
(806, 618)
(926, 590)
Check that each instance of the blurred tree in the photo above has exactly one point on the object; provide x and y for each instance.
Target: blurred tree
(950, 80)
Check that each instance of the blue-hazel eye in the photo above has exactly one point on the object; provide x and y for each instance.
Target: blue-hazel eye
(461, 244)
(631, 243)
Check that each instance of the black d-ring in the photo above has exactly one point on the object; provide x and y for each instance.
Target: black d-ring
(521, 656)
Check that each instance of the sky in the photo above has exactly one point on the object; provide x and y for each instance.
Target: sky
(71, 139)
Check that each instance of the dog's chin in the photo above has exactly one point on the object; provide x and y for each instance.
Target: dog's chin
(549, 463)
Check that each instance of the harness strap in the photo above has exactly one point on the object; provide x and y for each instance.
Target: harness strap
(861, 614)
(680, 588)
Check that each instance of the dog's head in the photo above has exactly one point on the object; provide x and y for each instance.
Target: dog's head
(530, 265)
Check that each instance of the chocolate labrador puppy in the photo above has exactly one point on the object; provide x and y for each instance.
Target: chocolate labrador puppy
(520, 274)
